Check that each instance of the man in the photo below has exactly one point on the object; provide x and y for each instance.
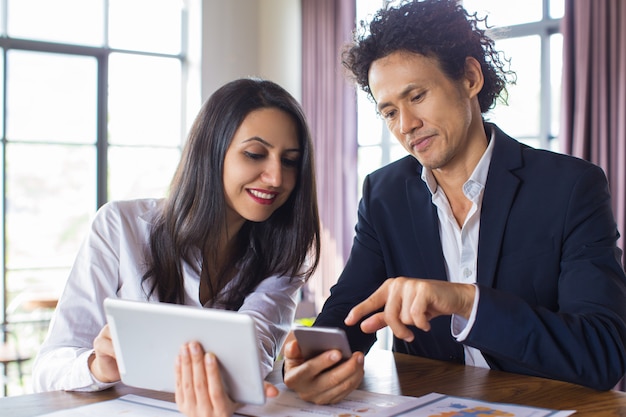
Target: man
(475, 248)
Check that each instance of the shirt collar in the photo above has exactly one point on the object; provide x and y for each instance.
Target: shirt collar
(476, 182)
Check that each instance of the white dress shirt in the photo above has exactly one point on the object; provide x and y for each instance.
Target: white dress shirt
(111, 263)
(460, 244)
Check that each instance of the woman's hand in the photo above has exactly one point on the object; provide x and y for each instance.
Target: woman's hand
(322, 379)
(199, 388)
(102, 362)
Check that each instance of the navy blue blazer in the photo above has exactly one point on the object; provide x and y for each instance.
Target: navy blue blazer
(552, 286)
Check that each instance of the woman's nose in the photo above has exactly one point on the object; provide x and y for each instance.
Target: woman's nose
(272, 174)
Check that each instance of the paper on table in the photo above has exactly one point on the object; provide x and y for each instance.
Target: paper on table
(357, 404)
(439, 405)
(128, 405)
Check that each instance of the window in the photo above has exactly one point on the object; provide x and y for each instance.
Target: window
(528, 34)
(92, 109)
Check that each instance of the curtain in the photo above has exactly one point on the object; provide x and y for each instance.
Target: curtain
(594, 91)
(329, 101)
(594, 94)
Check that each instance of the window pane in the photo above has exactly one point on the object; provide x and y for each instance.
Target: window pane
(370, 158)
(30, 283)
(1, 89)
(50, 200)
(396, 152)
(144, 100)
(66, 21)
(557, 9)
(520, 118)
(130, 179)
(146, 25)
(51, 97)
(370, 125)
(365, 9)
(506, 12)
(556, 68)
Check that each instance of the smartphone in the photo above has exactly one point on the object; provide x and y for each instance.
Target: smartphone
(316, 340)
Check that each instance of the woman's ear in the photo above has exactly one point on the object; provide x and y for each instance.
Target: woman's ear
(473, 76)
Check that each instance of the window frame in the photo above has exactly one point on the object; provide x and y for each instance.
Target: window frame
(544, 28)
(101, 145)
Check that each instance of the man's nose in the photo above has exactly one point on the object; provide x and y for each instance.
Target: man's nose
(408, 122)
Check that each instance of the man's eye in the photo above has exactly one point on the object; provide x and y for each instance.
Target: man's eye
(389, 114)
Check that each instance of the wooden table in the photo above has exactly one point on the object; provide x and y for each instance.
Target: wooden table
(391, 373)
(409, 375)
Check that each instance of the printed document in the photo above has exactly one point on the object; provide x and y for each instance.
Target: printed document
(357, 404)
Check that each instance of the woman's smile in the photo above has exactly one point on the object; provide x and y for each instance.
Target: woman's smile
(262, 196)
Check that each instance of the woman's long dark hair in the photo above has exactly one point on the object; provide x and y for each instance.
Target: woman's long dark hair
(194, 214)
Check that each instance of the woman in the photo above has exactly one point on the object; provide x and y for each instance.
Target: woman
(239, 230)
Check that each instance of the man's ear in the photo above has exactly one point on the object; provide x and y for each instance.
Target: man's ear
(473, 76)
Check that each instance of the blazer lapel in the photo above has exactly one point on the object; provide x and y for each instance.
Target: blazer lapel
(500, 191)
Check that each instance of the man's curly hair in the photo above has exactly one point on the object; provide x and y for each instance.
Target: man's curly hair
(440, 29)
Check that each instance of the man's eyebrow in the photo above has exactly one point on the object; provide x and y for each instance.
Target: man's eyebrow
(269, 145)
(405, 92)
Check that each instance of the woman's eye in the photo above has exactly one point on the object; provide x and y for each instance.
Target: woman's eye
(290, 163)
(253, 155)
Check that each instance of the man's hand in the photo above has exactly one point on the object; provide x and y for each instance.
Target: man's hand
(315, 381)
(411, 301)
(102, 362)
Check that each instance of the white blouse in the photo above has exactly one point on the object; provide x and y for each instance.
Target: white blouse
(111, 263)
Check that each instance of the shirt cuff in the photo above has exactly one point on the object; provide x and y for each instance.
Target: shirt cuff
(459, 325)
(88, 382)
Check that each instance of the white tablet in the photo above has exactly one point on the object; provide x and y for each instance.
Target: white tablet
(147, 337)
